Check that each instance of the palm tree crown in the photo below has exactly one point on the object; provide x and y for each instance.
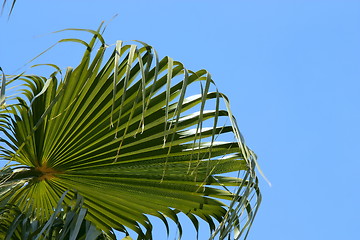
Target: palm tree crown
(130, 137)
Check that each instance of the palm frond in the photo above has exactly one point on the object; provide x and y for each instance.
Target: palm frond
(67, 222)
(135, 136)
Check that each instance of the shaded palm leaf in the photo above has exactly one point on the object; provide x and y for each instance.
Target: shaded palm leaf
(128, 137)
(67, 222)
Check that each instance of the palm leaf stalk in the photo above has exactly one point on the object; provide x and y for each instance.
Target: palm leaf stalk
(123, 132)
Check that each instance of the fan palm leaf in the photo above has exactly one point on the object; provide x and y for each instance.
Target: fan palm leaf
(124, 132)
(67, 222)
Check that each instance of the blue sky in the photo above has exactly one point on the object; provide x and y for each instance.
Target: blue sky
(290, 68)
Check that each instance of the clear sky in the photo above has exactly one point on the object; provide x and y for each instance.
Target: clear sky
(290, 68)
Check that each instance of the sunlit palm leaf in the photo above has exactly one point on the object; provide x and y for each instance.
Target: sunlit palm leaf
(129, 138)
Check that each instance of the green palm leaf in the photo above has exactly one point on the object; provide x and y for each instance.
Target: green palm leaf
(67, 222)
(124, 133)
